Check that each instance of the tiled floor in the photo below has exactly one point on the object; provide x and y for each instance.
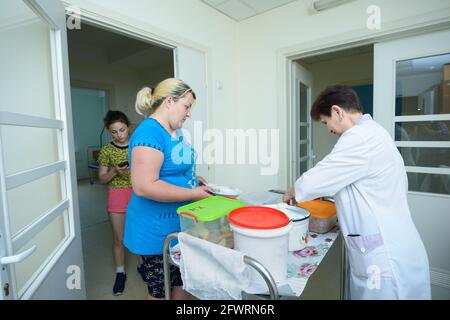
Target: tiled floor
(97, 246)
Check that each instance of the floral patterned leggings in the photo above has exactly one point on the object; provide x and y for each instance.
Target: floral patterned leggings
(152, 272)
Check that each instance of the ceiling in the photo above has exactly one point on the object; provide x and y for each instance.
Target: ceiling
(242, 9)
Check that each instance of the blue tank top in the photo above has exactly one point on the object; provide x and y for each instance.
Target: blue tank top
(148, 222)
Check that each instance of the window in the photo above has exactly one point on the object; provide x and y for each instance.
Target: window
(422, 121)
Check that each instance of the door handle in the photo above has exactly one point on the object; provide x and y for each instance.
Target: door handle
(18, 257)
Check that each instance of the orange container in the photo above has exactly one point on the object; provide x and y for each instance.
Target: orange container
(323, 215)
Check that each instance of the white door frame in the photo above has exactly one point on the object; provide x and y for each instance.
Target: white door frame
(300, 75)
(190, 66)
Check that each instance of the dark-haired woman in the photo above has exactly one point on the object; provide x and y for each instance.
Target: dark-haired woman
(366, 174)
(114, 170)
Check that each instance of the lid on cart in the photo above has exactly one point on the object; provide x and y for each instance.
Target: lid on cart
(319, 208)
(294, 213)
(209, 209)
(258, 217)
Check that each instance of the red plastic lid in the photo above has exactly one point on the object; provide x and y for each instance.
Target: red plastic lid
(255, 217)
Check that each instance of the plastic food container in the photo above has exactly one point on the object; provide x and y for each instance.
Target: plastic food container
(323, 215)
(207, 219)
(263, 234)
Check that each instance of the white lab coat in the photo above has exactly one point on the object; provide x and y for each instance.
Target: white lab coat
(367, 177)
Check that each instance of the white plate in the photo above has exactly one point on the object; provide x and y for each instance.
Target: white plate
(225, 191)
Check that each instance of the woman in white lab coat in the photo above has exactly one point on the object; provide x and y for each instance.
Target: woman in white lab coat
(366, 175)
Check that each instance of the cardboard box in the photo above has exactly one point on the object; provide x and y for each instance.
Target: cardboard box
(446, 72)
(445, 104)
(445, 97)
(446, 88)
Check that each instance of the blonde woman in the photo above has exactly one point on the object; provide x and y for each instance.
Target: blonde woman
(163, 178)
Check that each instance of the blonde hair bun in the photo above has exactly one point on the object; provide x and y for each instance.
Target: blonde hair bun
(148, 100)
(144, 101)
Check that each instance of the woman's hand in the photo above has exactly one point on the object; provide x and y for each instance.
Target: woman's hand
(201, 181)
(201, 192)
(289, 197)
(120, 170)
(105, 175)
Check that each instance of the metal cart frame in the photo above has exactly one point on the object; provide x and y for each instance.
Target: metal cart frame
(265, 274)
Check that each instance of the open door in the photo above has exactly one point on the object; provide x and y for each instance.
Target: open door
(412, 102)
(40, 244)
(190, 66)
(301, 146)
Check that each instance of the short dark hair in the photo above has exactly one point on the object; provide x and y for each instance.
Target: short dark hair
(342, 96)
(115, 116)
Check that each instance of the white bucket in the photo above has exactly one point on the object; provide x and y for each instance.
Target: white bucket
(298, 237)
(267, 246)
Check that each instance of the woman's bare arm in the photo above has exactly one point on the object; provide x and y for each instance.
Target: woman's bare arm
(146, 165)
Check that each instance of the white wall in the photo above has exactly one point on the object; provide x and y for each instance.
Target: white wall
(291, 29)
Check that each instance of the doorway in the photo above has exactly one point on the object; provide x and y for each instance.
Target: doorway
(107, 69)
(310, 141)
(89, 106)
(352, 67)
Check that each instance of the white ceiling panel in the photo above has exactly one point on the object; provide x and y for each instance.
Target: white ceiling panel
(213, 3)
(265, 5)
(236, 9)
(243, 9)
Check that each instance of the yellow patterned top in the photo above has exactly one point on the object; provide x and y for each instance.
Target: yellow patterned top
(110, 156)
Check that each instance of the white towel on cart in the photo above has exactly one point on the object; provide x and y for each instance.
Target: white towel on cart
(210, 271)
